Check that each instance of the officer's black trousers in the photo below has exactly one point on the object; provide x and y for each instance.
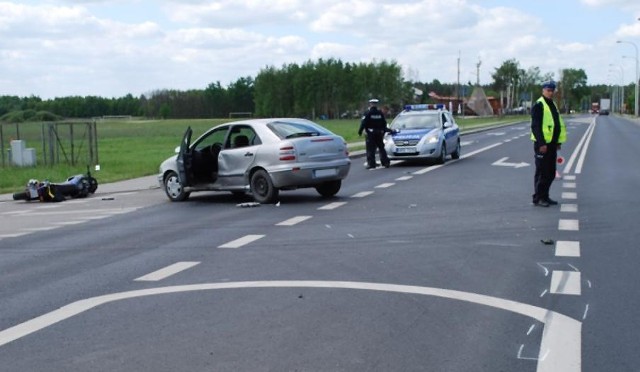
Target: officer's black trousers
(375, 141)
(545, 171)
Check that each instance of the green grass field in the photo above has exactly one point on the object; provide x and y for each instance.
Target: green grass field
(135, 148)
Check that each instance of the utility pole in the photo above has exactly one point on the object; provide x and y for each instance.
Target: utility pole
(478, 72)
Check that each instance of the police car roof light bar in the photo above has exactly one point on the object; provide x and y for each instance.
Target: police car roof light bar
(425, 106)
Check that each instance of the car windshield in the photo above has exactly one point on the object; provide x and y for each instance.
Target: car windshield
(297, 129)
(426, 121)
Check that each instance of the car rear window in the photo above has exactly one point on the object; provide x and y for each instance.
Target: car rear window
(296, 129)
(416, 122)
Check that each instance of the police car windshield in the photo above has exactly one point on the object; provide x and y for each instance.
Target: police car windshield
(416, 122)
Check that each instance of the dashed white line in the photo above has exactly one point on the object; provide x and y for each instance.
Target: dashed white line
(569, 225)
(567, 248)
(242, 241)
(293, 221)
(569, 185)
(569, 195)
(569, 208)
(167, 271)
(404, 178)
(385, 185)
(331, 206)
(362, 194)
(565, 282)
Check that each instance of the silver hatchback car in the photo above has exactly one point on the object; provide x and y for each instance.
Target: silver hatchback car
(423, 132)
(260, 156)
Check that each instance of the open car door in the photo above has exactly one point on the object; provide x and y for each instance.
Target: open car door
(185, 159)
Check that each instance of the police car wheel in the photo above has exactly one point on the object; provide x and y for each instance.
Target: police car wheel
(456, 153)
(443, 154)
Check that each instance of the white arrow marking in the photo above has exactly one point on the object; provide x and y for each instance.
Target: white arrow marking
(502, 162)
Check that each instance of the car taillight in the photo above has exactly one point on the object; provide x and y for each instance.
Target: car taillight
(287, 153)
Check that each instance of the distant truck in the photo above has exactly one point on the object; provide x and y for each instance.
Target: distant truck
(595, 107)
(605, 106)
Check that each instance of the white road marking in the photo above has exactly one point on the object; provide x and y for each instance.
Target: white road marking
(569, 185)
(242, 241)
(480, 150)
(14, 235)
(569, 195)
(404, 178)
(331, 206)
(565, 282)
(385, 185)
(428, 169)
(167, 271)
(567, 248)
(570, 178)
(65, 223)
(560, 346)
(571, 208)
(33, 229)
(293, 221)
(362, 194)
(569, 225)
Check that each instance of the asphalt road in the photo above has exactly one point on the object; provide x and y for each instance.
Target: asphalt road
(411, 268)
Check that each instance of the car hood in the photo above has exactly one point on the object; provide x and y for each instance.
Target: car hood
(169, 163)
(412, 134)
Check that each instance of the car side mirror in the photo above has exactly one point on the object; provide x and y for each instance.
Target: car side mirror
(177, 149)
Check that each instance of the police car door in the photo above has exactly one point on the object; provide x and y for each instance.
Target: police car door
(449, 130)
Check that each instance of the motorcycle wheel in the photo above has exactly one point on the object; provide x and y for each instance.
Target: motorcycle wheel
(21, 196)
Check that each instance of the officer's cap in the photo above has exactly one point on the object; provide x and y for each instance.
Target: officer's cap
(374, 100)
(549, 85)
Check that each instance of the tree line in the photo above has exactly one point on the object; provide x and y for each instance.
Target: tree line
(316, 89)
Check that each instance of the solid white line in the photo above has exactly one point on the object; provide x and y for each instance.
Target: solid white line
(569, 225)
(428, 169)
(362, 194)
(167, 271)
(567, 248)
(65, 223)
(576, 151)
(569, 195)
(293, 221)
(242, 241)
(583, 153)
(331, 206)
(565, 282)
(385, 185)
(560, 347)
(571, 208)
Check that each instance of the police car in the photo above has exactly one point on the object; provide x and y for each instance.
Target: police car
(423, 132)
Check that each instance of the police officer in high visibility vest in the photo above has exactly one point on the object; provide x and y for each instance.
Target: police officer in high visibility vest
(374, 124)
(548, 132)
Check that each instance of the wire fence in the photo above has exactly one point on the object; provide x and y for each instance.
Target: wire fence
(49, 143)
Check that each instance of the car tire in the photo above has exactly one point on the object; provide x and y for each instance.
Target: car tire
(262, 187)
(329, 188)
(443, 154)
(174, 189)
(456, 154)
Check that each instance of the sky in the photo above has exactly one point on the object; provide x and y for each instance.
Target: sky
(111, 48)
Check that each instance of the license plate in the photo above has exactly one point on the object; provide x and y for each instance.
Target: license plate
(404, 150)
(325, 172)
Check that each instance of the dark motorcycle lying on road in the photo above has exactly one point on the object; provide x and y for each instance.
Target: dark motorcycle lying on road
(78, 186)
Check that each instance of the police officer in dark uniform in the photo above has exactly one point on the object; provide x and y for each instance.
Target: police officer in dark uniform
(374, 124)
(548, 132)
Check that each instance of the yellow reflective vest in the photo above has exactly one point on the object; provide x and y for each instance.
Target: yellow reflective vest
(548, 124)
